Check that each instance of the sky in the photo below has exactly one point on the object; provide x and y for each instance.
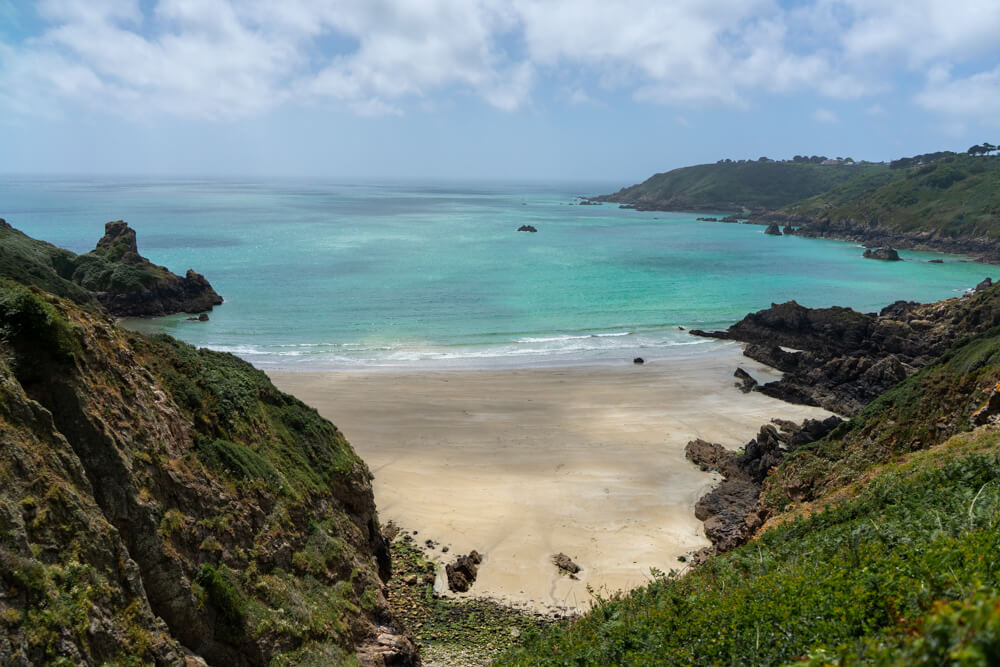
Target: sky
(508, 90)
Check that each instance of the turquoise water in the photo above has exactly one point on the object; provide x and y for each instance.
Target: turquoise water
(319, 275)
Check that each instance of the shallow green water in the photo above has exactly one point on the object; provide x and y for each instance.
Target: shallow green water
(326, 275)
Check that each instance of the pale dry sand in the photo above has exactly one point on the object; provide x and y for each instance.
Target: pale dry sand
(523, 464)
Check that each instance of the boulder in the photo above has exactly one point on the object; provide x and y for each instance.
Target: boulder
(565, 564)
(462, 573)
(885, 254)
(773, 229)
(638, 361)
(745, 383)
(527, 228)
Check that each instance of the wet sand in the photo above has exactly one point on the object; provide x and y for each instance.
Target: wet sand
(523, 464)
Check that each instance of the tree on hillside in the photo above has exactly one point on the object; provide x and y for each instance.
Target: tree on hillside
(977, 150)
(988, 147)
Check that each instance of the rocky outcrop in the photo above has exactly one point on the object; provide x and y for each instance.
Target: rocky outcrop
(129, 285)
(840, 359)
(885, 254)
(745, 382)
(168, 505)
(527, 228)
(462, 573)
(773, 229)
(871, 233)
(732, 512)
(114, 274)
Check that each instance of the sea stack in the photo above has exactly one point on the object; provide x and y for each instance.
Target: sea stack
(886, 254)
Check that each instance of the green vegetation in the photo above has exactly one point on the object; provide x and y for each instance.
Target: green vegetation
(955, 196)
(99, 272)
(229, 606)
(922, 411)
(247, 429)
(31, 262)
(740, 185)
(888, 573)
(29, 321)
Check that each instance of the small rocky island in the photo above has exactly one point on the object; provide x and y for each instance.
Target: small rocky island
(886, 254)
(527, 228)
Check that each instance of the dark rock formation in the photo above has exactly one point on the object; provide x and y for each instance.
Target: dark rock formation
(462, 573)
(773, 229)
(129, 285)
(840, 359)
(935, 261)
(788, 230)
(706, 219)
(731, 511)
(638, 361)
(527, 228)
(986, 283)
(871, 233)
(746, 382)
(565, 564)
(885, 254)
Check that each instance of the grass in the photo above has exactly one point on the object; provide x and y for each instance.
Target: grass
(920, 412)
(957, 196)
(248, 431)
(740, 185)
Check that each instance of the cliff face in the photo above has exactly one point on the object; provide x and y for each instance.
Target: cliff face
(114, 274)
(161, 503)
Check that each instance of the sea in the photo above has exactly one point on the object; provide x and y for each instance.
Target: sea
(329, 275)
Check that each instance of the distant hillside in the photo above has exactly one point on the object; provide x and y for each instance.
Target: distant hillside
(729, 186)
(952, 203)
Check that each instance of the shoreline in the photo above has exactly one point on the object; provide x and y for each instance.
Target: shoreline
(521, 464)
(976, 250)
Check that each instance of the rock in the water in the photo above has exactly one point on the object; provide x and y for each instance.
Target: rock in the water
(788, 230)
(462, 573)
(885, 254)
(935, 261)
(638, 360)
(746, 383)
(565, 564)
(527, 228)
(773, 229)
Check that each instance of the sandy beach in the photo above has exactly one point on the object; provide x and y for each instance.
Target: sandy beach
(523, 464)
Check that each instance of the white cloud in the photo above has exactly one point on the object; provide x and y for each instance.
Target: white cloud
(232, 58)
(825, 116)
(973, 97)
